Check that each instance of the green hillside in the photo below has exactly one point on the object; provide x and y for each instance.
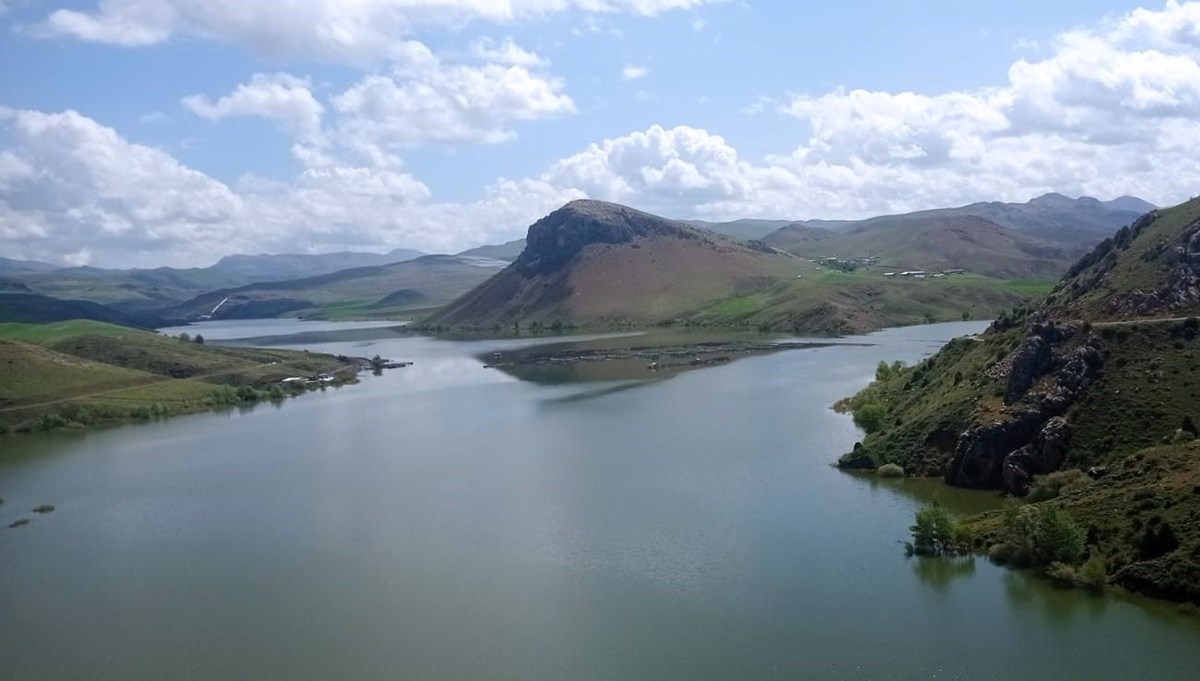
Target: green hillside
(1102, 376)
(363, 292)
(82, 373)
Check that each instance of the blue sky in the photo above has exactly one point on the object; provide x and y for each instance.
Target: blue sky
(203, 127)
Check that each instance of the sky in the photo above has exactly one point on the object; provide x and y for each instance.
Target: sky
(174, 132)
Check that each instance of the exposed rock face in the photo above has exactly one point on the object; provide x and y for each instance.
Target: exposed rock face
(1180, 290)
(1044, 455)
(559, 236)
(1033, 439)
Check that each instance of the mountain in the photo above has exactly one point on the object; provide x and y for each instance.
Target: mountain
(30, 307)
(266, 267)
(1099, 377)
(592, 261)
(429, 280)
(507, 251)
(10, 266)
(1039, 238)
(746, 229)
(139, 290)
(602, 264)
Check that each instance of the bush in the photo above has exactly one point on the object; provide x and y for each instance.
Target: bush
(890, 470)
(1046, 487)
(870, 416)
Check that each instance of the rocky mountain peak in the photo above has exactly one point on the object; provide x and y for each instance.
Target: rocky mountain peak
(557, 238)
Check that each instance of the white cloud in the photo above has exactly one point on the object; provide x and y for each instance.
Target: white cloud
(632, 72)
(69, 185)
(360, 31)
(279, 97)
(445, 104)
(1106, 111)
(505, 52)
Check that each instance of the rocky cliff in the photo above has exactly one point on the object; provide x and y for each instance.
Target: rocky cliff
(1102, 378)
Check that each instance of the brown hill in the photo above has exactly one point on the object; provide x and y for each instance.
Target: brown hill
(938, 240)
(597, 262)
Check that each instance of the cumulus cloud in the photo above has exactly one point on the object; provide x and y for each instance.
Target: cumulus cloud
(360, 31)
(424, 100)
(446, 103)
(1106, 111)
(280, 97)
(75, 191)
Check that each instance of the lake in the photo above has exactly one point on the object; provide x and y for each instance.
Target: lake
(447, 521)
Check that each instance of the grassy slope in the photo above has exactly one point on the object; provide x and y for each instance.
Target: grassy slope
(438, 279)
(940, 242)
(1148, 382)
(830, 301)
(116, 372)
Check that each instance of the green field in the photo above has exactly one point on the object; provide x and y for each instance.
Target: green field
(83, 373)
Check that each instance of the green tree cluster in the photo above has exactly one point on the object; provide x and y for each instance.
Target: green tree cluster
(1036, 535)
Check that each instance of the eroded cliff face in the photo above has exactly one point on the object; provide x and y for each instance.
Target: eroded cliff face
(1044, 377)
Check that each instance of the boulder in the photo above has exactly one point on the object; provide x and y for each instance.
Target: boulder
(858, 459)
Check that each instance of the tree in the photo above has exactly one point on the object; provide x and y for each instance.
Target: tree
(934, 532)
(185, 338)
(1036, 535)
(198, 340)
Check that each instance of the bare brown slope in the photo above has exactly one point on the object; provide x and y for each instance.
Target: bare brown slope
(592, 261)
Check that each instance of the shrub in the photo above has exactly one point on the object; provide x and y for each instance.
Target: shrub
(1093, 575)
(890, 470)
(870, 416)
(1046, 487)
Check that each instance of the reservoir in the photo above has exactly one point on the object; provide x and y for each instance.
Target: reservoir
(447, 521)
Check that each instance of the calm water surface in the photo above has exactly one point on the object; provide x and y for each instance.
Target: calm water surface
(446, 521)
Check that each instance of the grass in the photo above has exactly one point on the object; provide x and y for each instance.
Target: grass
(78, 374)
(831, 301)
(60, 331)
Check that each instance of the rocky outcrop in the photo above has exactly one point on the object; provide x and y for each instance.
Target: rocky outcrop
(1180, 289)
(1044, 455)
(557, 238)
(858, 459)
(1033, 436)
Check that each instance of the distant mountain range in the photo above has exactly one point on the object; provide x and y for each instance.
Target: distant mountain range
(1040, 238)
(596, 263)
(627, 267)
(428, 281)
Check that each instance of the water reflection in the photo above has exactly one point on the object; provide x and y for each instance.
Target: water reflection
(1059, 605)
(939, 573)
